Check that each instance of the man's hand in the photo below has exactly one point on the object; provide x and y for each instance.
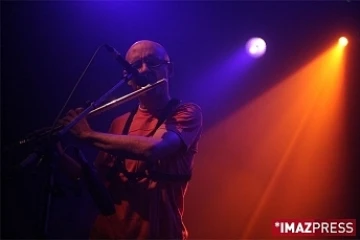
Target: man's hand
(82, 128)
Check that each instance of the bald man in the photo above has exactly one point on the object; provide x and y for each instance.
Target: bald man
(146, 206)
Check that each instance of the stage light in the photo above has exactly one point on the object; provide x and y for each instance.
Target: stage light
(343, 41)
(256, 47)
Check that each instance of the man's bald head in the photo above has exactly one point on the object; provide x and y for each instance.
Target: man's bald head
(152, 62)
(146, 48)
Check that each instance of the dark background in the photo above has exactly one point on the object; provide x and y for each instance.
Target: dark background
(46, 45)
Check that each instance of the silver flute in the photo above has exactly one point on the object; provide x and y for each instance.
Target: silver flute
(106, 107)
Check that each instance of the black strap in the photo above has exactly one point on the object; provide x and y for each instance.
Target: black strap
(170, 107)
(129, 121)
(119, 165)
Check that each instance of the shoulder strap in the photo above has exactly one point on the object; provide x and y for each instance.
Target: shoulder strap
(129, 121)
(169, 109)
(119, 163)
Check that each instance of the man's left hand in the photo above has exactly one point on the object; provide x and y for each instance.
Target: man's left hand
(82, 128)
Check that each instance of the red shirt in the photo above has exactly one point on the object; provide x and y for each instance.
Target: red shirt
(147, 208)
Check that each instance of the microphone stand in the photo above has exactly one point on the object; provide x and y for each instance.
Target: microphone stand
(47, 151)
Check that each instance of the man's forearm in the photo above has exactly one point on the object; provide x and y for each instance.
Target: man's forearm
(135, 147)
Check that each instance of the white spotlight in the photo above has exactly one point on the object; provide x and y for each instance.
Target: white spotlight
(343, 41)
(256, 47)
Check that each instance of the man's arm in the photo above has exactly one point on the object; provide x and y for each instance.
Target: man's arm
(164, 143)
(175, 134)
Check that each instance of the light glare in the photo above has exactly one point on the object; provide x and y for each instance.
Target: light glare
(343, 41)
(256, 47)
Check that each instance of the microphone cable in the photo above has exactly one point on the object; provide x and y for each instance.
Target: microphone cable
(61, 112)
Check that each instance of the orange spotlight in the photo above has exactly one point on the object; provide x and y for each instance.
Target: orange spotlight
(343, 41)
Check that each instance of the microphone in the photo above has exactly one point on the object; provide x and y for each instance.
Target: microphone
(140, 79)
(133, 71)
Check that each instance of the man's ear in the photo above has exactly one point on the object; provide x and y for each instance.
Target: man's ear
(170, 67)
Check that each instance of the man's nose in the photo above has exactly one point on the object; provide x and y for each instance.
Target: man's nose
(144, 68)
